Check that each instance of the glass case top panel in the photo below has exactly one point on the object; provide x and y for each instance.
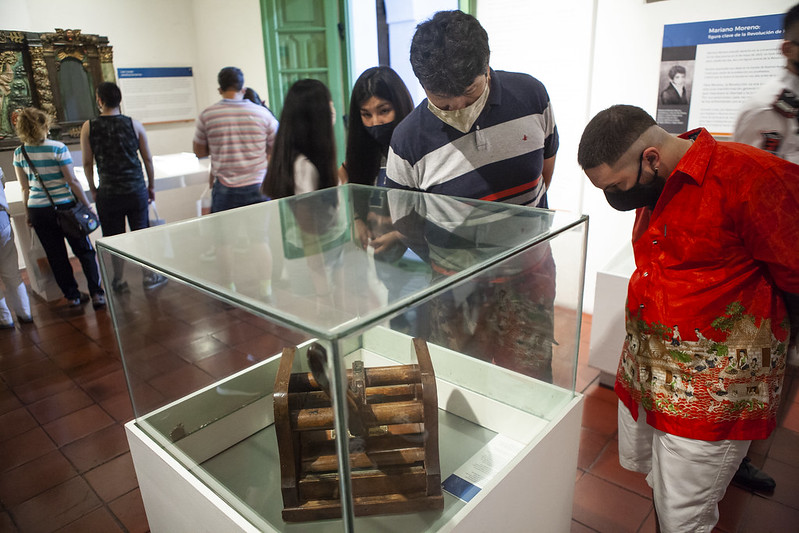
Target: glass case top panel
(316, 261)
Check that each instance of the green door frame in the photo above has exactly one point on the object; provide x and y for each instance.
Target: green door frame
(339, 78)
(335, 73)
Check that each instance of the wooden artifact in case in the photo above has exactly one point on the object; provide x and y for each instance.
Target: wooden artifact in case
(393, 438)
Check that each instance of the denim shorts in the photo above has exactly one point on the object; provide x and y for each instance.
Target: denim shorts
(224, 198)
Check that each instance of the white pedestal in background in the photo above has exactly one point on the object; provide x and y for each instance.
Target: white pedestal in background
(180, 179)
(607, 323)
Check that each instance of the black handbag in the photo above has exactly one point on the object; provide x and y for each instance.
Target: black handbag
(76, 221)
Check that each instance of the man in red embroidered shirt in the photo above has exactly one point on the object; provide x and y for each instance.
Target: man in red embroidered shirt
(715, 250)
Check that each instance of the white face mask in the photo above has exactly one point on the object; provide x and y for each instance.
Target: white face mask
(462, 119)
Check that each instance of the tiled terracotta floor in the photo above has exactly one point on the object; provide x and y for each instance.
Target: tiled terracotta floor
(65, 464)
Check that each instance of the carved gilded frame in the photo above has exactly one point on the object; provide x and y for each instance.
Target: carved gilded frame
(30, 74)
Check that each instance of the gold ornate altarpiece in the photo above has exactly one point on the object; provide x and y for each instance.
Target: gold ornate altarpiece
(55, 71)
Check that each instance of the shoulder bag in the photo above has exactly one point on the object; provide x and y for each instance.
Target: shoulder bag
(77, 221)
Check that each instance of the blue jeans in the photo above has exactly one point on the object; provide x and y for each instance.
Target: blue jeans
(224, 198)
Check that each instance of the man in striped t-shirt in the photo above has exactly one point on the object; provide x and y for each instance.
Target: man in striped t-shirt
(238, 135)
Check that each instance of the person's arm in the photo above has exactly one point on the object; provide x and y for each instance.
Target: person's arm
(200, 149)
(147, 157)
(547, 171)
(22, 178)
(69, 175)
(88, 158)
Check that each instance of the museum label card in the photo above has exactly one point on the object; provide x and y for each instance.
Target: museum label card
(475, 473)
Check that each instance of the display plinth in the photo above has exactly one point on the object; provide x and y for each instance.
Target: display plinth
(492, 290)
(536, 487)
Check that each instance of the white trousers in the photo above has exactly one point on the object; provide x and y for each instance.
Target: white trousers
(688, 477)
(16, 292)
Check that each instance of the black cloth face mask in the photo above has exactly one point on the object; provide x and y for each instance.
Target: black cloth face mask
(639, 195)
(382, 132)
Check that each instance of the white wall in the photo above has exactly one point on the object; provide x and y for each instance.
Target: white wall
(203, 34)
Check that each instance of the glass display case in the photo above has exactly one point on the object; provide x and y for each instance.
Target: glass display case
(276, 332)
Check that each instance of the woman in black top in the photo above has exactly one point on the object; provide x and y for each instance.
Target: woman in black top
(115, 141)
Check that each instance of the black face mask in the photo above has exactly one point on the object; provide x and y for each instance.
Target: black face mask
(382, 132)
(639, 195)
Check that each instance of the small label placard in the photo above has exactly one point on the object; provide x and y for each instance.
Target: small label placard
(475, 473)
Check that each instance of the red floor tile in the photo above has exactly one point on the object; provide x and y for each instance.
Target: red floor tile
(591, 445)
(733, 508)
(785, 447)
(106, 387)
(15, 423)
(76, 425)
(98, 521)
(43, 388)
(129, 509)
(119, 407)
(608, 468)
(56, 507)
(59, 404)
(34, 477)
(97, 448)
(114, 478)
(23, 448)
(608, 507)
(768, 516)
(600, 415)
(787, 478)
(8, 401)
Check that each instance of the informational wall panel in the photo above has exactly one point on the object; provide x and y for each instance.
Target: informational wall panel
(161, 94)
(709, 69)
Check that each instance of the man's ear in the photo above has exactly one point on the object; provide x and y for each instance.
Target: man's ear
(785, 48)
(652, 157)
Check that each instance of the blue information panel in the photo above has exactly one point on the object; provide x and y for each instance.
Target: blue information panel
(709, 69)
(158, 94)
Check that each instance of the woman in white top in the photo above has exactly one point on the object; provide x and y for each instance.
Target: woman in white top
(304, 155)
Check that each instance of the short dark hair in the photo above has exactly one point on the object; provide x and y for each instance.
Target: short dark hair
(448, 52)
(611, 133)
(306, 127)
(109, 94)
(364, 152)
(676, 69)
(252, 96)
(230, 78)
(790, 20)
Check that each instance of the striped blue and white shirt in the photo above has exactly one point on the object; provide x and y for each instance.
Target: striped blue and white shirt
(500, 159)
(48, 158)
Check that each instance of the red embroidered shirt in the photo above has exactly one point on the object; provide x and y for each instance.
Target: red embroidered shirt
(706, 323)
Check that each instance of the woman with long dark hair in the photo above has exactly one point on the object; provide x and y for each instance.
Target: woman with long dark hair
(379, 101)
(304, 156)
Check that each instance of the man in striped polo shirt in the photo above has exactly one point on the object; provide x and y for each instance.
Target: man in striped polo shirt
(488, 135)
(238, 135)
(480, 133)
